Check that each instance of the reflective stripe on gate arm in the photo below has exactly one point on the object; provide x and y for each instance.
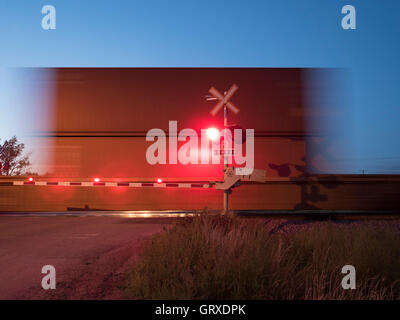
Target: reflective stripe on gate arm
(112, 184)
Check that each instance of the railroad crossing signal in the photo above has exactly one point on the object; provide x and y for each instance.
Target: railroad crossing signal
(231, 178)
(224, 99)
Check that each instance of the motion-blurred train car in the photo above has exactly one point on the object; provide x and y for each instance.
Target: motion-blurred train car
(100, 118)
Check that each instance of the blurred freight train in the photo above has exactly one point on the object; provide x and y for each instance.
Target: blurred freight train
(98, 118)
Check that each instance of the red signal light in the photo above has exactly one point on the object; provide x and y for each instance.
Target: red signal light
(96, 179)
(30, 179)
(212, 134)
(159, 180)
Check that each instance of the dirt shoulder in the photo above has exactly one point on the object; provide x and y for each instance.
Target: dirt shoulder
(91, 255)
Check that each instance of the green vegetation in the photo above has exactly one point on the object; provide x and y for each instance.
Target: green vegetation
(12, 160)
(218, 257)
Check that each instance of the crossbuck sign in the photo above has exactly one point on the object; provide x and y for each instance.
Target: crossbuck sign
(224, 99)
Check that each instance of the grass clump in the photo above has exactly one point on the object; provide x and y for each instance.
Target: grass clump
(219, 257)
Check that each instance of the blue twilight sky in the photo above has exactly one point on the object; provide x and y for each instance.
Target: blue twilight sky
(266, 33)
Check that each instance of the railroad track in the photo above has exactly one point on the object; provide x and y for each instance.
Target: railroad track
(270, 214)
(321, 214)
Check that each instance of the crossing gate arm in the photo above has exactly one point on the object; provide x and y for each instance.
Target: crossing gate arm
(231, 180)
(190, 185)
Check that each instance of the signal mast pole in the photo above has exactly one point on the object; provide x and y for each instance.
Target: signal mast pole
(226, 192)
(224, 102)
